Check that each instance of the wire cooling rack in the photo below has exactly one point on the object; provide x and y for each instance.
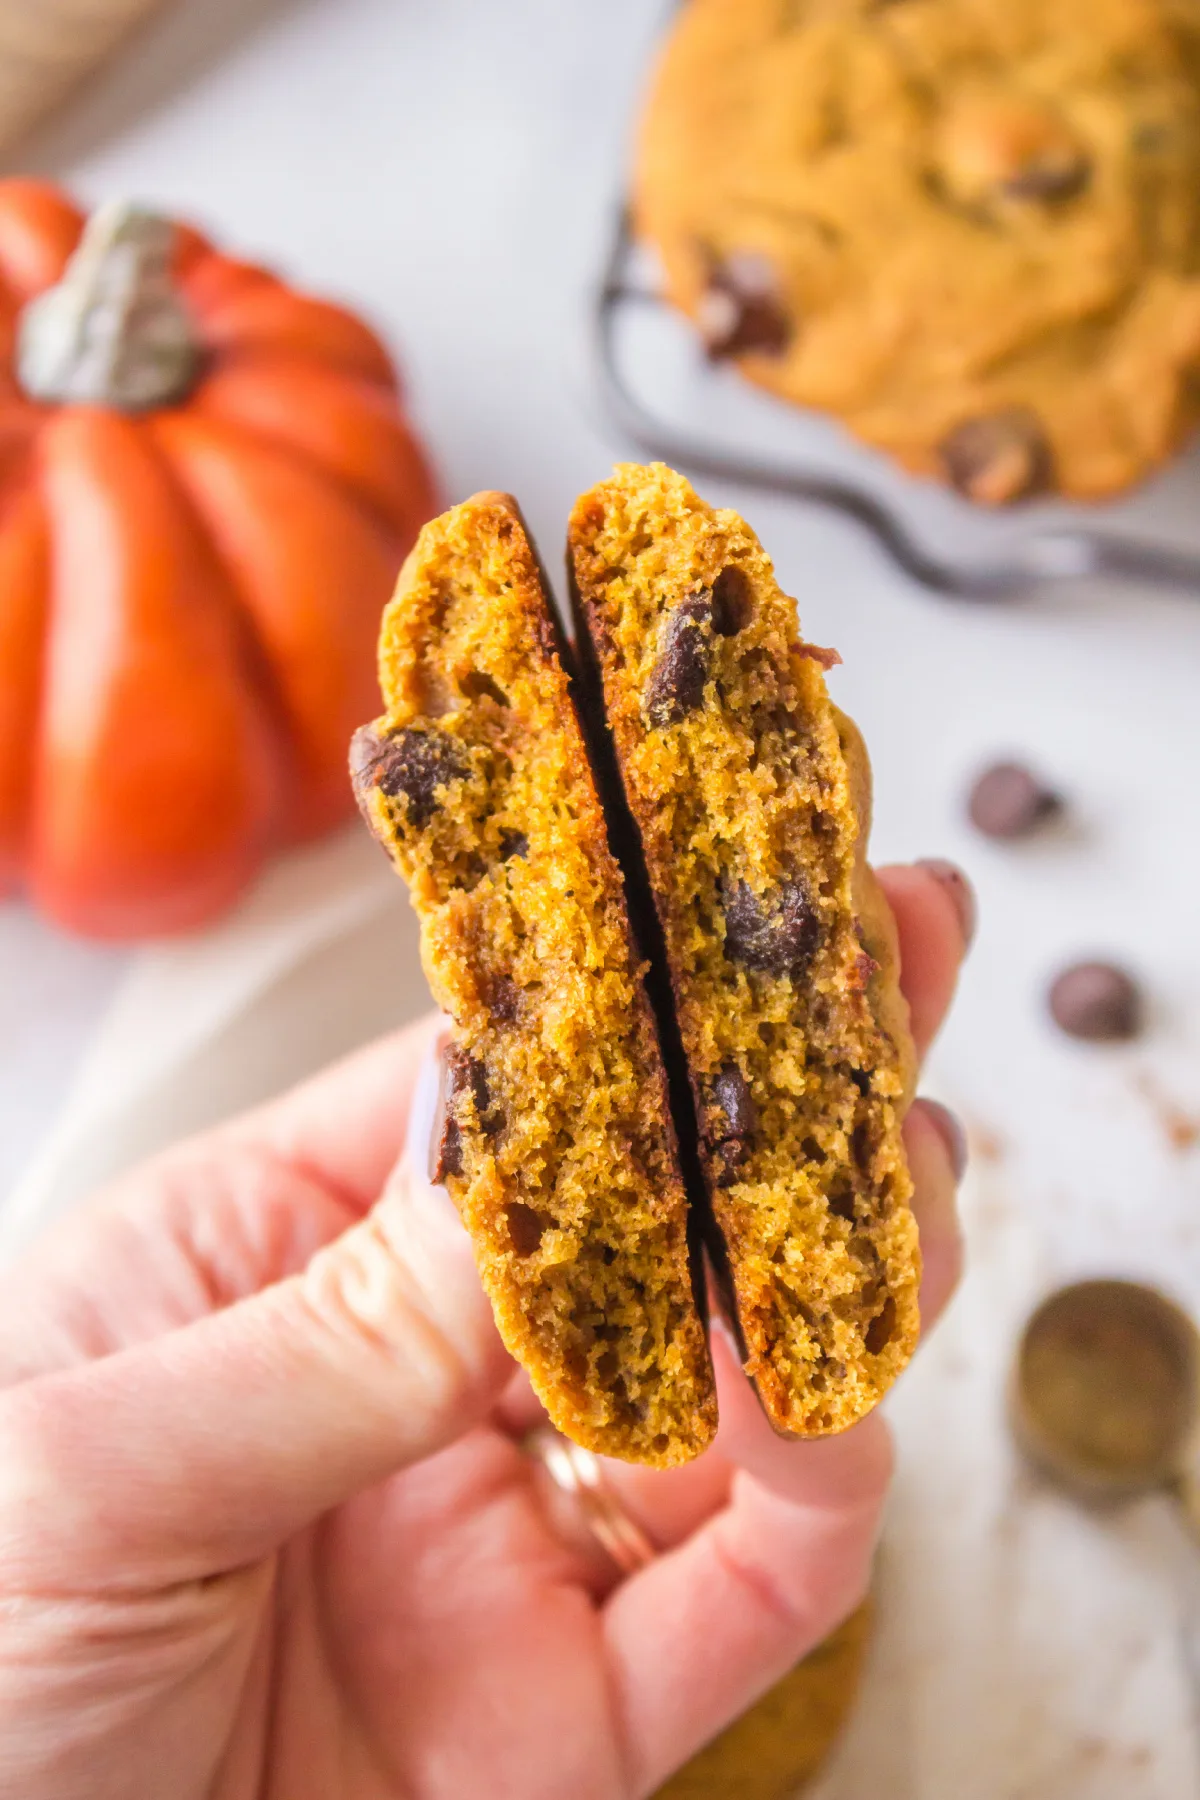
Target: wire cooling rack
(658, 391)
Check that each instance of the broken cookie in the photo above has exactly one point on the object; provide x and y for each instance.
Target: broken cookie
(749, 795)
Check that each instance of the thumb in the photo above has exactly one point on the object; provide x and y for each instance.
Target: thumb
(205, 1449)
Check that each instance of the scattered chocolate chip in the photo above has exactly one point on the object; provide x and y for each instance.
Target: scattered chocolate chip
(414, 764)
(449, 1160)
(503, 999)
(526, 1227)
(878, 1334)
(741, 309)
(1057, 175)
(1009, 801)
(465, 1074)
(676, 684)
(732, 601)
(776, 931)
(1096, 1000)
(731, 1093)
(998, 459)
(513, 843)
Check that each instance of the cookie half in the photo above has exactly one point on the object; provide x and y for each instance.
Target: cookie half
(558, 1145)
(750, 795)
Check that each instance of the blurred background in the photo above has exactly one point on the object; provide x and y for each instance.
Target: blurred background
(452, 174)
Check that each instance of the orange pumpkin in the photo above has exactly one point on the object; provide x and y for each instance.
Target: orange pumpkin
(207, 486)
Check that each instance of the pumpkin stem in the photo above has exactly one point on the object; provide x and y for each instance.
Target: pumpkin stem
(113, 332)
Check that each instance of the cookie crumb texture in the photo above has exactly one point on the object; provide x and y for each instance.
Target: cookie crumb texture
(751, 795)
(969, 228)
(557, 1144)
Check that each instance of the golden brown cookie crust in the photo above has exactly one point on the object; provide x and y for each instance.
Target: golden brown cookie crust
(558, 1145)
(751, 798)
(968, 228)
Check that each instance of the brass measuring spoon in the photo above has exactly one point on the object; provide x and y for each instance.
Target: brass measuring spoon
(1106, 1397)
(1106, 1402)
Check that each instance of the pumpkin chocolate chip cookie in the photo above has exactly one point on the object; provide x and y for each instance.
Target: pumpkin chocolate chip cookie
(750, 796)
(557, 1145)
(968, 228)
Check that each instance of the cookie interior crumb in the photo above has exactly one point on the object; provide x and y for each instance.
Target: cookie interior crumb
(751, 796)
(558, 1149)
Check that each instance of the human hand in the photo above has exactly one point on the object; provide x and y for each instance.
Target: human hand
(265, 1525)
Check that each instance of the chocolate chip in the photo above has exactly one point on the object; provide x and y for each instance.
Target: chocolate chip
(503, 999)
(741, 309)
(526, 1227)
(462, 1074)
(1009, 801)
(513, 843)
(1096, 1000)
(465, 1074)
(449, 1160)
(732, 601)
(998, 459)
(412, 764)
(731, 1094)
(878, 1334)
(676, 685)
(777, 931)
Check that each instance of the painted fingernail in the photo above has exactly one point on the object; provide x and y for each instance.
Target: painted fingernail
(949, 1128)
(428, 1120)
(962, 894)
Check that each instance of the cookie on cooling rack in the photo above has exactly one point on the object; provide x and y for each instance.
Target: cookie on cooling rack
(558, 1145)
(750, 795)
(968, 228)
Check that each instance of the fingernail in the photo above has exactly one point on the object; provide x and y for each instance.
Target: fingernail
(960, 891)
(949, 1128)
(425, 1140)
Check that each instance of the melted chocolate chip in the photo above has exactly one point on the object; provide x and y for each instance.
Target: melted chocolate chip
(878, 1334)
(998, 459)
(741, 309)
(449, 1158)
(465, 1074)
(731, 1093)
(408, 764)
(676, 684)
(777, 931)
(526, 1227)
(1097, 1001)
(1009, 801)
(462, 1075)
(503, 999)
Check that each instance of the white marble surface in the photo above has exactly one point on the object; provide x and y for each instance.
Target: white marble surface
(451, 169)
